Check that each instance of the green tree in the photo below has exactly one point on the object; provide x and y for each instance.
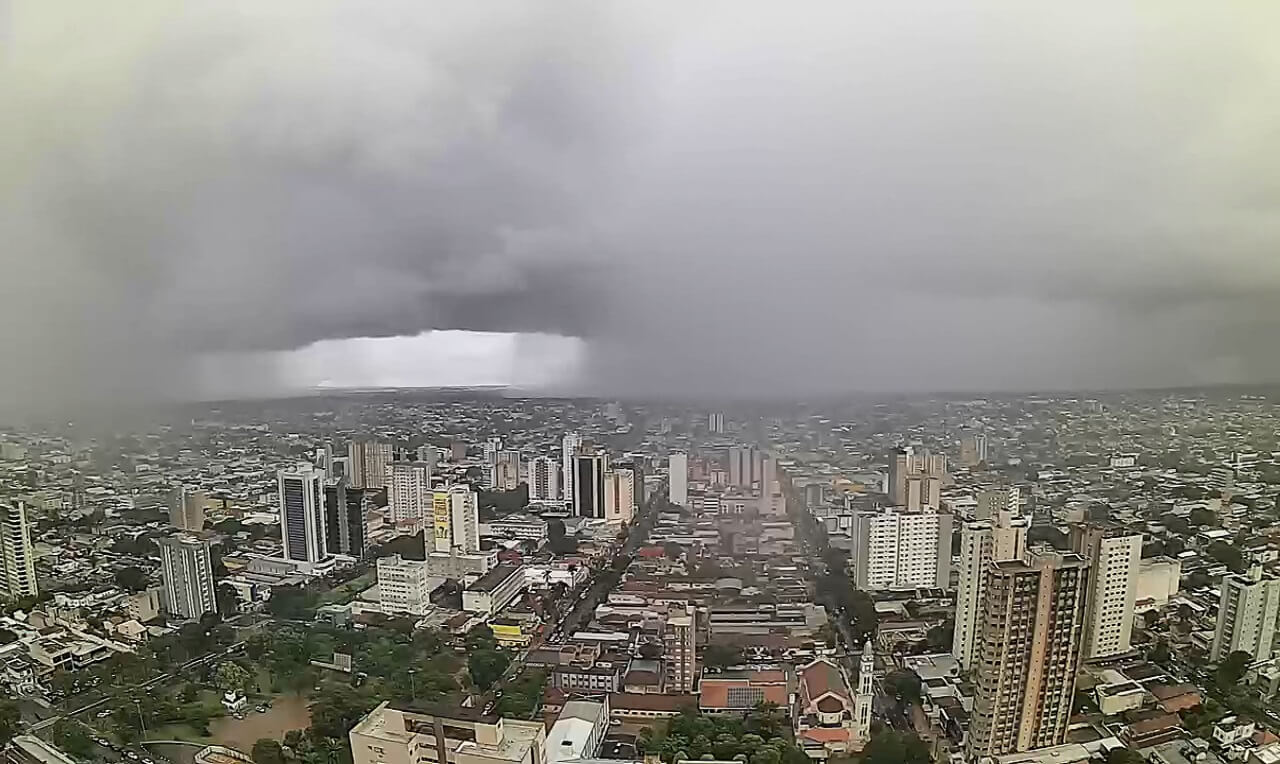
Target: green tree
(1231, 669)
(889, 746)
(1124, 756)
(1227, 555)
(10, 720)
(1203, 516)
(132, 579)
(486, 667)
(903, 685)
(721, 655)
(72, 738)
(231, 676)
(267, 751)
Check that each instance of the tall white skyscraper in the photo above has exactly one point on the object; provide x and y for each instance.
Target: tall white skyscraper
(301, 499)
(187, 570)
(1114, 557)
(491, 448)
(504, 472)
(456, 513)
(569, 447)
(409, 491)
(544, 479)
(367, 460)
(186, 509)
(982, 543)
(1247, 613)
(745, 466)
(715, 423)
(17, 560)
(678, 479)
(901, 550)
(620, 495)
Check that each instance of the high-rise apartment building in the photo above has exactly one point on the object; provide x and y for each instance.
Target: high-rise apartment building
(678, 479)
(504, 473)
(620, 494)
(543, 476)
(680, 649)
(491, 448)
(409, 491)
(744, 465)
(186, 509)
(346, 519)
(894, 549)
(367, 460)
(1114, 557)
(912, 476)
(588, 484)
(1247, 611)
(186, 567)
(973, 450)
(715, 423)
(569, 447)
(17, 559)
(994, 501)
(456, 517)
(982, 543)
(1032, 629)
(302, 517)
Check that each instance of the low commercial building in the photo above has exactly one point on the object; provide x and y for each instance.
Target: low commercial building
(522, 527)
(29, 749)
(579, 731)
(405, 586)
(494, 590)
(446, 736)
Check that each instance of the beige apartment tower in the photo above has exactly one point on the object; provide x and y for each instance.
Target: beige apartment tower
(1032, 628)
(1114, 556)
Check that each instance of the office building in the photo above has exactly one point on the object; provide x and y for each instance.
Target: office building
(404, 586)
(1114, 557)
(569, 447)
(518, 526)
(504, 473)
(994, 501)
(17, 559)
(982, 543)
(409, 492)
(678, 479)
(346, 519)
(456, 520)
(715, 423)
(894, 549)
(367, 460)
(300, 493)
(543, 476)
(447, 736)
(588, 484)
(1247, 612)
(1025, 676)
(680, 649)
(186, 567)
(186, 509)
(620, 494)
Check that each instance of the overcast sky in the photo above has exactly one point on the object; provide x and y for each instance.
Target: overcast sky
(730, 198)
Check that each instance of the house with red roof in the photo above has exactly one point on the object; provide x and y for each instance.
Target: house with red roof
(739, 692)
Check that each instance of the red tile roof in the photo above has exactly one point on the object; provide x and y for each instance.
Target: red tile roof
(820, 677)
(826, 734)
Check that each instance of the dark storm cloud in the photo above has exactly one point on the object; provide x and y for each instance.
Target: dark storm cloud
(719, 198)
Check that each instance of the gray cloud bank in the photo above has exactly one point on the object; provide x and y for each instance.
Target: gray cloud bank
(731, 197)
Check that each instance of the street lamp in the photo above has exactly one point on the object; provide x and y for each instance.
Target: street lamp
(413, 685)
(142, 720)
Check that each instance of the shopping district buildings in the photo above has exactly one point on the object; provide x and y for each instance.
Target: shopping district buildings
(1011, 580)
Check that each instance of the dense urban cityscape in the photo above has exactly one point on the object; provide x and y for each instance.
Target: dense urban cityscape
(457, 576)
